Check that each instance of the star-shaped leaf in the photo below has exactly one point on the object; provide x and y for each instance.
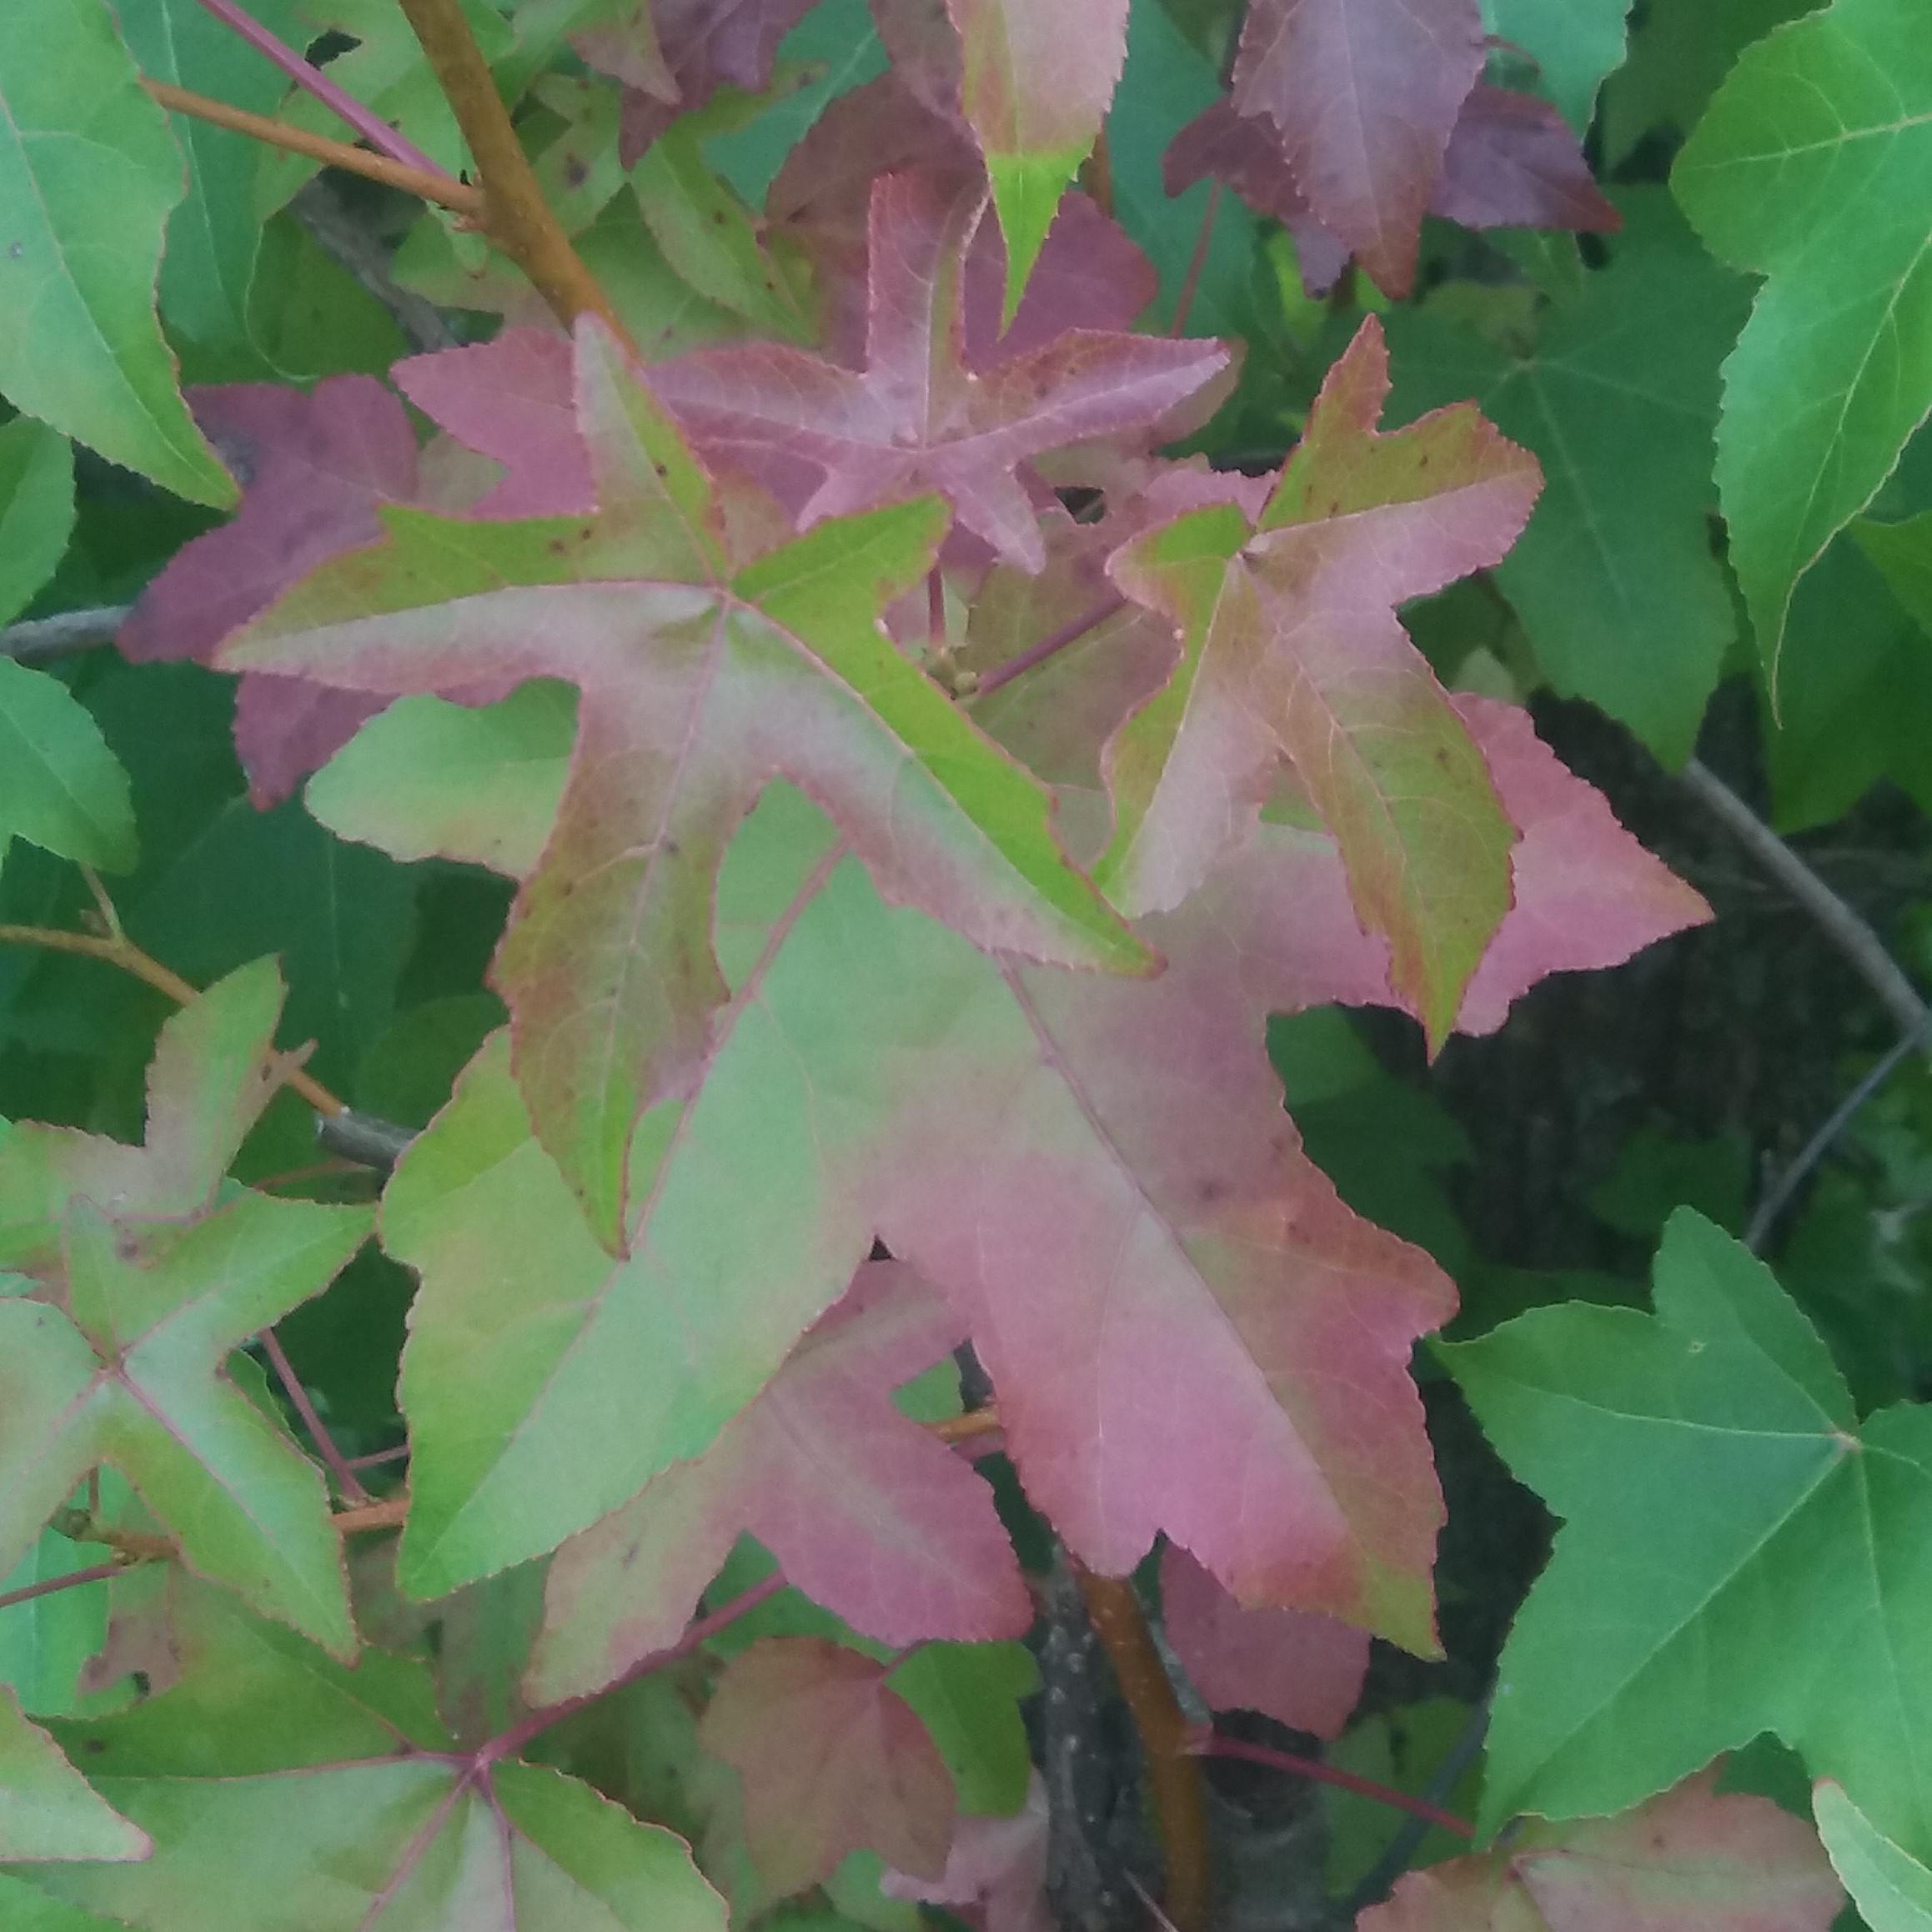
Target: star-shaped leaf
(1365, 94)
(1813, 167)
(1293, 652)
(146, 1281)
(1689, 1861)
(703, 678)
(832, 1758)
(831, 440)
(870, 1515)
(281, 1790)
(1724, 1510)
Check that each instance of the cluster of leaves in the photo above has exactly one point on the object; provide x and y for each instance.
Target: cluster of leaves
(807, 781)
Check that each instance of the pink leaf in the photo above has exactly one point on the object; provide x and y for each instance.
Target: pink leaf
(312, 469)
(1294, 652)
(997, 1868)
(1366, 94)
(868, 1513)
(1305, 1670)
(1514, 163)
(917, 418)
(832, 1761)
(704, 45)
(1689, 1861)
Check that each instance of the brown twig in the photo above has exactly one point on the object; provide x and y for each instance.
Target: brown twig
(94, 1573)
(1173, 1772)
(346, 1478)
(391, 1513)
(118, 951)
(515, 215)
(431, 185)
(974, 1423)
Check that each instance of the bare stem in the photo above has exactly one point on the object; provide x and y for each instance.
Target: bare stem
(516, 217)
(1210, 1744)
(1190, 287)
(391, 1513)
(121, 951)
(431, 184)
(1048, 647)
(94, 1573)
(346, 1478)
(44, 637)
(1173, 1774)
(345, 107)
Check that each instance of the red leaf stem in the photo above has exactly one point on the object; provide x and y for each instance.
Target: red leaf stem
(94, 1573)
(325, 1444)
(1038, 654)
(1212, 1745)
(1190, 284)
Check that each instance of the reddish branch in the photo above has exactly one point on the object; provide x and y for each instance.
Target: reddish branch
(1048, 647)
(1173, 1772)
(96, 1573)
(1207, 1743)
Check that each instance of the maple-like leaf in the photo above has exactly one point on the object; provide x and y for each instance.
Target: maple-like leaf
(869, 1514)
(282, 1790)
(1293, 652)
(1689, 1861)
(1365, 94)
(1035, 82)
(48, 1810)
(704, 677)
(832, 1758)
(147, 1278)
(312, 469)
(703, 45)
(1511, 162)
(829, 440)
(1163, 1309)
(1724, 1508)
(1304, 1670)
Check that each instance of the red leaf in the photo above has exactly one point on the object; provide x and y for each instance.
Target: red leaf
(704, 45)
(312, 469)
(869, 1514)
(832, 1761)
(1689, 1861)
(1514, 163)
(829, 441)
(1366, 94)
(1305, 1670)
(997, 1869)
(1294, 652)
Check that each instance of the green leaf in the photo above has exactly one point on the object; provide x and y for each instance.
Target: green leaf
(1903, 553)
(1891, 1889)
(1614, 578)
(215, 235)
(89, 172)
(37, 510)
(1573, 42)
(1814, 168)
(44, 1641)
(1724, 1516)
(47, 1808)
(286, 1795)
(60, 786)
(124, 1363)
(481, 784)
(968, 1696)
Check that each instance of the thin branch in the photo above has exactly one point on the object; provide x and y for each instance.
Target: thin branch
(1377, 1882)
(1212, 1745)
(1841, 925)
(1048, 647)
(40, 638)
(379, 1456)
(1184, 301)
(351, 246)
(1174, 1780)
(431, 184)
(94, 1573)
(967, 1427)
(514, 1739)
(123, 953)
(345, 107)
(516, 217)
(346, 1478)
(1821, 1143)
(391, 1513)
(362, 1138)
